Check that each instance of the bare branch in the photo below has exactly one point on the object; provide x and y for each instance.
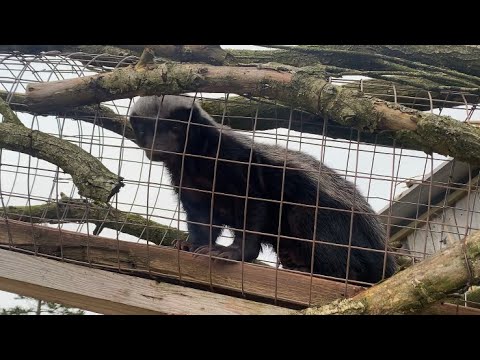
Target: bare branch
(95, 114)
(91, 177)
(82, 211)
(146, 59)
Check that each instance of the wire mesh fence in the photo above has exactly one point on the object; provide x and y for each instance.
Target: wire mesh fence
(266, 196)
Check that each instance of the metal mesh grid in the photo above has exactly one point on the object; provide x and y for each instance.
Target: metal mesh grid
(382, 174)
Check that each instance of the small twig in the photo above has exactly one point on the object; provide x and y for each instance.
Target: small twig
(8, 115)
(147, 58)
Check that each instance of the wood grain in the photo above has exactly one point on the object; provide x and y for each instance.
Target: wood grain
(140, 259)
(110, 293)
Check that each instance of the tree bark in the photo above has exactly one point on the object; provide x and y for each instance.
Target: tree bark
(270, 116)
(68, 210)
(413, 289)
(100, 115)
(8, 115)
(429, 132)
(91, 177)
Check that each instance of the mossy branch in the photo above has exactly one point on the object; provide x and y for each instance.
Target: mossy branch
(429, 132)
(91, 177)
(68, 210)
(417, 287)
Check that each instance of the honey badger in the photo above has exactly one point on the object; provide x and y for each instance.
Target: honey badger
(166, 126)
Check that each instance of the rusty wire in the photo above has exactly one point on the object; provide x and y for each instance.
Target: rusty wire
(17, 70)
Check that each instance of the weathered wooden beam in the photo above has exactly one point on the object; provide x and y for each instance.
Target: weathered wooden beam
(257, 280)
(167, 262)
(110, 293)
(450, 309)
(401, 235)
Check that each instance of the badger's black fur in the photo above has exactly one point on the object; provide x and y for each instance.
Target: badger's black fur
(163, 139)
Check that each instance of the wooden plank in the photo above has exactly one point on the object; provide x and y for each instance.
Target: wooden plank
(422, 219)
(110, 293)
(137, 259)
(129, 257)
(416, 198)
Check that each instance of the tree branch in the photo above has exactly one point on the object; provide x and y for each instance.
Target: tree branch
(422, 71)
(100, 115)
(82, 211)
(8, 115)
(461, 58)
(418, 286)
(91, 177)
(429, 132)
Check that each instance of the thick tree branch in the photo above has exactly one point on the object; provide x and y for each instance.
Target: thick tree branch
(100, 115)
(432, 133)
(91, 177)
(68, 210)
(413, 95)
(420, 285)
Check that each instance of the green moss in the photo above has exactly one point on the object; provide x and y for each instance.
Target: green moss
(411, 140)
(338, 307)
(8, 115)
(450, 137)
(75, 210)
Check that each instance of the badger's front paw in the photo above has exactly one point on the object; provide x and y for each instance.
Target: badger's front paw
(183, 245)
(219, 252)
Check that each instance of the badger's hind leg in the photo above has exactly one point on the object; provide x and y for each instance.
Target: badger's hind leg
(294, 256)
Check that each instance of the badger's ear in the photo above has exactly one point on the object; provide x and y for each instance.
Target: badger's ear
(200, 129)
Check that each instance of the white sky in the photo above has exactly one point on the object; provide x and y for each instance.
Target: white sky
(162, 202)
